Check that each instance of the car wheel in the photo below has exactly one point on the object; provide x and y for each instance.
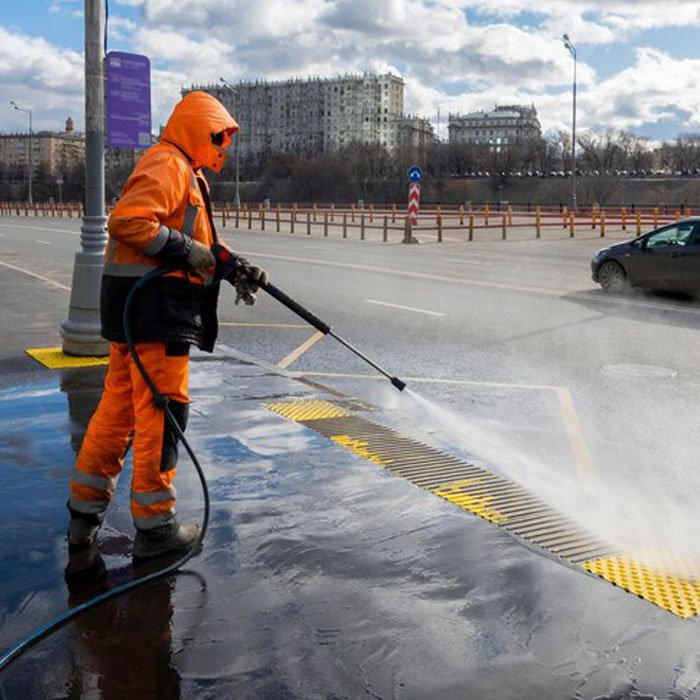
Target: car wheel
(612, 277)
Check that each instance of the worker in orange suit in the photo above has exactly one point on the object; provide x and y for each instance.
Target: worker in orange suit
(163, 217)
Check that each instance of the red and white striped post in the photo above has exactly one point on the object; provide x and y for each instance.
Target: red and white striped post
(413, 202)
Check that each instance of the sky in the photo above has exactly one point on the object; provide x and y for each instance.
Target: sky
(638, 61)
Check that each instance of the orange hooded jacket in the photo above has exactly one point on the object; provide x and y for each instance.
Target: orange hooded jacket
(163, 207)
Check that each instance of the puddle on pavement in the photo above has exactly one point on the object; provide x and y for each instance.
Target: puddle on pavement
(321, 577)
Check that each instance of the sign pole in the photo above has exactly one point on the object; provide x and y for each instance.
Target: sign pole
(81, 330)
(415, 175)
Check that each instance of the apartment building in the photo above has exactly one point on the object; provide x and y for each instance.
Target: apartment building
(55, 151)
(309, 116)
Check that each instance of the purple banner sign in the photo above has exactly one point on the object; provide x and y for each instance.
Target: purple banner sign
(128, 100)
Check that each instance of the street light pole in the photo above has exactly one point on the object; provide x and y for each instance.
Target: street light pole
(28, 110)
(237, 200)
(572, 50)
(81, 329)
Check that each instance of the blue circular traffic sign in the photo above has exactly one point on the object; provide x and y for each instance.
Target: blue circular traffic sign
(415, 174)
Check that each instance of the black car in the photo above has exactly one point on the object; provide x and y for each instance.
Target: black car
(667, 258)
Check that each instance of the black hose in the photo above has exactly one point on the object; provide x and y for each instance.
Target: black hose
(52, 625)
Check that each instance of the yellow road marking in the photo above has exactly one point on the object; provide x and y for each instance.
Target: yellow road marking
(55, 358)
(582, 455)
(298, 352)
(35, 276)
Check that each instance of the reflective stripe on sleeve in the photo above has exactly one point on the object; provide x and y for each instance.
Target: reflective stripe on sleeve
(156, 245)
(152, 497)
(188, 221)
(127, 269)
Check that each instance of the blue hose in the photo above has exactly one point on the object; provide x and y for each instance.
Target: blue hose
(52, 625)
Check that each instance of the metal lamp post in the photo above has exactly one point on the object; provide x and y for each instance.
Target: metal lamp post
(572, 50)
(27, 110)
(81, 329)
(237, 201)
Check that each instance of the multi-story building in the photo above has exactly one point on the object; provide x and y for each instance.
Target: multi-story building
(313, 115)
(504, 125)
(54, 151)
(415, 133)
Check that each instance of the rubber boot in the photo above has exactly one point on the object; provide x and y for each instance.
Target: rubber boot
(162, 540)
(82, 532)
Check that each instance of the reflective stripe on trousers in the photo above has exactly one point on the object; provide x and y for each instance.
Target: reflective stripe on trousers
(127, 409)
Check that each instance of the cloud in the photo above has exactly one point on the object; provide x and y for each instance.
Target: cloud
(41, 75)
(461, 54)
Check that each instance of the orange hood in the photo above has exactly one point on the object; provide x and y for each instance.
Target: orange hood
(196, 117)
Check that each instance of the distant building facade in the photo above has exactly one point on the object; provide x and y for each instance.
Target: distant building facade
(415, 133)
(308, 116)
(504, 125)
(55, 151)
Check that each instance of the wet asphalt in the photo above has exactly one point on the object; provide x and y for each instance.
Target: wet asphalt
(321, 577)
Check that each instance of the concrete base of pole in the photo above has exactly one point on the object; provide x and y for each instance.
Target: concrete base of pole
(81, 330)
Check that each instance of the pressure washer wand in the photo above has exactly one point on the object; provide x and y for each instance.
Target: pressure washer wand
(324, 328)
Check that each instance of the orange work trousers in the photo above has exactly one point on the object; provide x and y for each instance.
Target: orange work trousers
(127, 410)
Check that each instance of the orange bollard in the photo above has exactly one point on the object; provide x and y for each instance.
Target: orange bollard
(538, 222)
(486, 215)
(639, 224)
(572, 226)
(623, 214)
(564, 216)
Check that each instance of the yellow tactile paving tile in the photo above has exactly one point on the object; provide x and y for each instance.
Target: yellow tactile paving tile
(308, 410)
(359, 447)
(55, 358)
(670, 584)
(479, 504)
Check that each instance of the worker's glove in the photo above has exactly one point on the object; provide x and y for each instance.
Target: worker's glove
(200, 257)
(246, 279)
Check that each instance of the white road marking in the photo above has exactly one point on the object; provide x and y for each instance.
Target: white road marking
(404, 308)
(33, 274)
(470, 262)
(298, 352)
(41, 228)
(44, 242)
(572, 426)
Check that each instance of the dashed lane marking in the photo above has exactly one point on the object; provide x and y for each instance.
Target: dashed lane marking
(468, 262)
(404, 308)
(572, 293)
